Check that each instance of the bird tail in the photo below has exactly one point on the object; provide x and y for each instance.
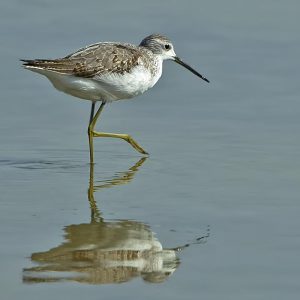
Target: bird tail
(40, 63)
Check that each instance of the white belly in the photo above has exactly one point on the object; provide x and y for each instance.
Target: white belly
(108, 87)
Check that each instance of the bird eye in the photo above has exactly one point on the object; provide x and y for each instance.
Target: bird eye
(167, 47)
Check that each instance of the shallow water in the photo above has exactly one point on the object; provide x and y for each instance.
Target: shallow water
(212, 213)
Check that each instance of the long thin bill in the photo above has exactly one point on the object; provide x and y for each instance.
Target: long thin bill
(180, 62)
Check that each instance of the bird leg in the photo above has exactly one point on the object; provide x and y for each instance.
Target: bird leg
(92, 133)
(125, 137)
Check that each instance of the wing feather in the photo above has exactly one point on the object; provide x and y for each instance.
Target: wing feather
(96, 59)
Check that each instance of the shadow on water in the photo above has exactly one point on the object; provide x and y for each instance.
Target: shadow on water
(102, 252)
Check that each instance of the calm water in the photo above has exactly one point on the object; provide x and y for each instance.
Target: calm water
(222, 176)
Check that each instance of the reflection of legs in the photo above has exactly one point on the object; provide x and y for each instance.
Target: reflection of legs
(119, 179)
(93, 133)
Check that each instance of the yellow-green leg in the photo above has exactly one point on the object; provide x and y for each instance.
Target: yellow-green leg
(125, 137)
(92, 133)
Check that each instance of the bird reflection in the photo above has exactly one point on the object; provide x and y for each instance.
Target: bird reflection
(103, 252)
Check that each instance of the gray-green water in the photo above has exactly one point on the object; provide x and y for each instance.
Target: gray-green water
(224, 157)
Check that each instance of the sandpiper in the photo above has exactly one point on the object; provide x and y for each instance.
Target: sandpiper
(109, 71)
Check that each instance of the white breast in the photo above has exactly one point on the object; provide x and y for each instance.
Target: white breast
(131, 84)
